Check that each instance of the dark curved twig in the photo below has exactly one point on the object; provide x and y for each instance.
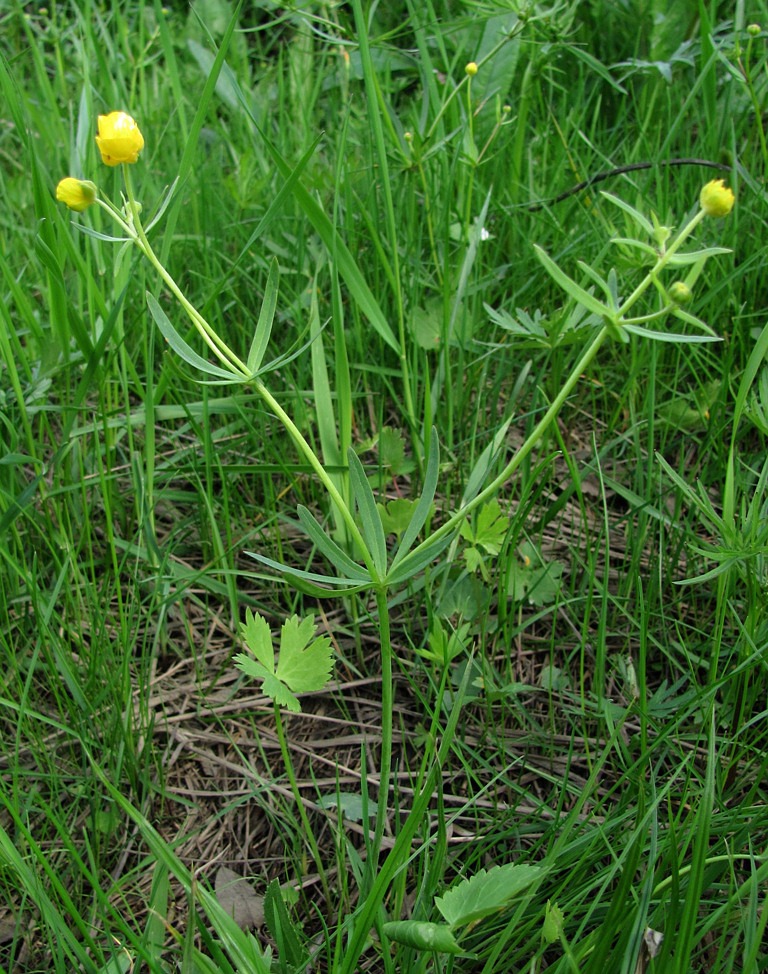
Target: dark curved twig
(632, 167)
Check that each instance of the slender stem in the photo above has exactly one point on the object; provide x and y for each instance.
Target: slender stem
(663, 259)
(209, 335)
(536, 434)
(321, 472)
(387, 712)
(310, 835)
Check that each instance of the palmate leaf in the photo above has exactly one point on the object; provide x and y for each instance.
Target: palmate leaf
(304, 663)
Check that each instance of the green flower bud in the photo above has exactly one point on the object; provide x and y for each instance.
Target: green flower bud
(680, 293)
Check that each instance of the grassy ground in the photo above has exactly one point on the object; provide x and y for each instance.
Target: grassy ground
(578, 675)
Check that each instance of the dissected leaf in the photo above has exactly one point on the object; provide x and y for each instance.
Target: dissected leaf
(489, 530)
(487, 892)
(396, 514)
(392, 451)
(533, 579)
(239, 899)
(304, 663)
(426, 325)
(258, 639)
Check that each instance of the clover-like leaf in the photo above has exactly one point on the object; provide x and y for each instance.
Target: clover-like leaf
(304, 663)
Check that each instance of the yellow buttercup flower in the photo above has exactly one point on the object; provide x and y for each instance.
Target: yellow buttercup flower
(78, 194)
(119, 139)
(716, 198)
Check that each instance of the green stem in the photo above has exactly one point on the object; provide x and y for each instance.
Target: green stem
(536, 434)
(661, 262)
(387, 713)
(321, 472)
(220, 349)
(310, 835)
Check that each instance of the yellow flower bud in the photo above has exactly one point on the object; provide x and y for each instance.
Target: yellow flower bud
(680, 293)
(471, 69)
(119, 139)
(78, 194)
(716, 198)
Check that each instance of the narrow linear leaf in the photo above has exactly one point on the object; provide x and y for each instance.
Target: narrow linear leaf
(373, 529)
(347, 584)
(281, 926)
(636, 215)
(328, 547)
(671, 337)
(416, 560)
(570, 286)
(484, 463)
(421, 513)
(336, 247)
(266, 317)
(182, 349)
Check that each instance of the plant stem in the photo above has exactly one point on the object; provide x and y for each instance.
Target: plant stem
(321, 472)
(536, 434)
(663, 259)
(387, 712)
(312, 841)
(220, 349)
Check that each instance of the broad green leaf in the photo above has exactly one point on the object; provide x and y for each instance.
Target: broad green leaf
(392, 451)
(590, 302)
(475, 562)
(350, 805)
(396, 514)
(304, 663)
(492, 527)
(426, 325)
(533, 579)
(485, 893)
(258, 639)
